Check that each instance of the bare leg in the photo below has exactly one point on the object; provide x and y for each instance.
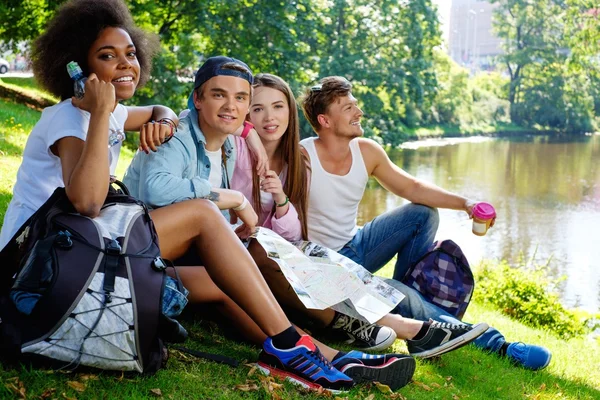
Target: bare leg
(281, 287)
(199, 224)
(203, 290)
(405, 328)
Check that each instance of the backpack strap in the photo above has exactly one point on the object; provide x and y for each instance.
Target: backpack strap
(209, 356)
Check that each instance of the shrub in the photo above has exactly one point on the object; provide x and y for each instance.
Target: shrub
(528, 295)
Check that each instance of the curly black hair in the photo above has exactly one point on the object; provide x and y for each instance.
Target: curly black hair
(71, 33)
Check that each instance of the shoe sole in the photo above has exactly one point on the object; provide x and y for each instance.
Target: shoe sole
(295, 379)
(379, 346)
(396, 373)
(455, 343)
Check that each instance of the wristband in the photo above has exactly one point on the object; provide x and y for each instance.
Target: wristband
(287, 200)
(241, 206)
(247, 127)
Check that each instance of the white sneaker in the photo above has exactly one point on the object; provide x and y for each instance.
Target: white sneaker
(361, 334)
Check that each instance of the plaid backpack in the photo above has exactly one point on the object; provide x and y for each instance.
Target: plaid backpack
(443, 277)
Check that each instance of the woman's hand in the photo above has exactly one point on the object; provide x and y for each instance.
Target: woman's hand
(272, 184)
(153, 134)
(258, 152)
(99, 96)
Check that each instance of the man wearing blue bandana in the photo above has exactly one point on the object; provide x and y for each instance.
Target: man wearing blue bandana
(198, 161)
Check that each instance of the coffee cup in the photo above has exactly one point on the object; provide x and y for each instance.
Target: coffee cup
(484, 216)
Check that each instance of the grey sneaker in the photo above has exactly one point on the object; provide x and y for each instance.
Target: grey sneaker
(361, 334)
(442, 337)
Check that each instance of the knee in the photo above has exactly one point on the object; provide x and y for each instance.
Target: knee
(429, 216)
(266, 266)
(206, 211)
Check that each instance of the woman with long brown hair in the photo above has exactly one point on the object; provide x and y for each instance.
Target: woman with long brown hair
(283, 202)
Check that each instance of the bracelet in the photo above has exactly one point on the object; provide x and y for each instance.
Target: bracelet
(247, 128)
(287, 200)
(168, 121)
(241, 206)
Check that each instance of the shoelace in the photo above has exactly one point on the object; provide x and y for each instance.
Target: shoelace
(319, 357)
(448, 325)
(364, 330)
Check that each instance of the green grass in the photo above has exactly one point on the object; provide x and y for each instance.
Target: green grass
(27, 86)
(465, 374)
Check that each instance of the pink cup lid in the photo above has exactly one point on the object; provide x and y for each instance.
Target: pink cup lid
(484, 211)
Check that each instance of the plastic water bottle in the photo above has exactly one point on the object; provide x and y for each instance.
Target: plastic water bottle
(115, 134)
(76, 74)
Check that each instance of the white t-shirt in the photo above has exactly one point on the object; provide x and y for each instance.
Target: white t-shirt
(216, 168)
(40, 172)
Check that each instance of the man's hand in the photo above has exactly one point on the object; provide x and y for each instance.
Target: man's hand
(249, 219)
(258, 152)
(469, 204)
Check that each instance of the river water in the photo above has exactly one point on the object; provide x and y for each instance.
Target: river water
(546, 191)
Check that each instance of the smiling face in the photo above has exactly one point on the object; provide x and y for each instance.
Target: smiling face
(270, 113)
(343, 117)
(112, 58)
(223, 105)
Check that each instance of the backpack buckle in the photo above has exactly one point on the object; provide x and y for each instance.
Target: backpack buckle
(158, 264)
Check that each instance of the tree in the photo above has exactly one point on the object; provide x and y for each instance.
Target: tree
(546, 51)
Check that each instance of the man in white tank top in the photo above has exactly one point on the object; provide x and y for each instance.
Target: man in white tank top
(342, 161)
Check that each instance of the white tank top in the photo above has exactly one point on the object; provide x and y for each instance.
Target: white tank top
(333, 199)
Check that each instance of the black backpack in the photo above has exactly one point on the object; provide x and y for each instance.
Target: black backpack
(82, 291)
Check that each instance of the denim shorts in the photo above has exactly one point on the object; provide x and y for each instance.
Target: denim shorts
(173, 300)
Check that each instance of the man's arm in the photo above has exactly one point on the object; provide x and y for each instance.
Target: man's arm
(402, 184)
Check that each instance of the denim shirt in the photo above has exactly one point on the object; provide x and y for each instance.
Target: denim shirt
(179, 170)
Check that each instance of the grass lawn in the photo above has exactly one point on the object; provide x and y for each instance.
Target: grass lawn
(468, 373)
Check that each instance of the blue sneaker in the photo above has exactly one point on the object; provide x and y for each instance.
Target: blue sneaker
(529, 356)
(394, 370)
(303, 365)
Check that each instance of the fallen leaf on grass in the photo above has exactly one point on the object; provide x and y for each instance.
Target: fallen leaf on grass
(48, 393)
(89, 377)
(448, 378)
(435, 385)
(78, 386)
(455, 397)
(247, 388)
(340, 398)
(422, 385)
(67, 397)
(383, 388)
(19, 389)
(543, 387)
(252, 371)
(156, 392)
(370, 397)
(396, 396)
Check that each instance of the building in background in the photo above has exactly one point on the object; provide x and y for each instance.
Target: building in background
(471, 40)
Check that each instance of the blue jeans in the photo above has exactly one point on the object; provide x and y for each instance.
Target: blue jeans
(406, 231)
